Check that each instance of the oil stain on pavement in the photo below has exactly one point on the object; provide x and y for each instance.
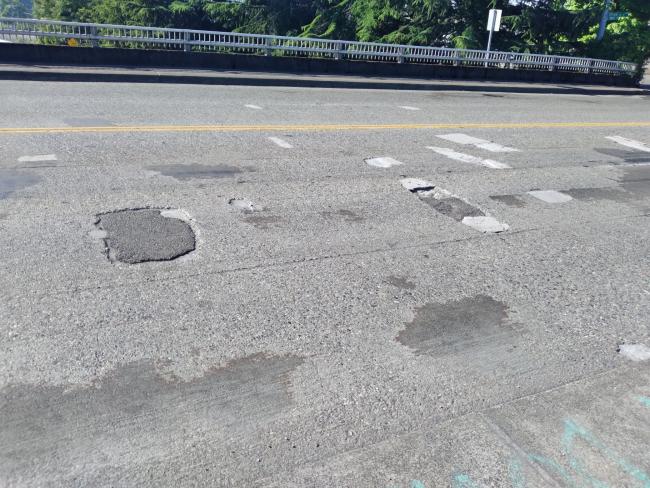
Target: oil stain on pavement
(186, 172)
(135, 411)
(140, 235)
(452, 327)
(12, 181)
(401, 282)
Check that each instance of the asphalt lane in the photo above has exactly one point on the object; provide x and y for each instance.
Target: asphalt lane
(317, 304)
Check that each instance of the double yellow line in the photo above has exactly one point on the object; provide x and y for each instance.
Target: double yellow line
(315, 128)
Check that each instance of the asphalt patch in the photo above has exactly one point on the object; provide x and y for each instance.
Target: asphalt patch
(440, 329)
(12, 181)
(509, 200)
(453, 207)
(626, 156)
(186, 172)
(143, 235)
(346, 215)
(135, 412)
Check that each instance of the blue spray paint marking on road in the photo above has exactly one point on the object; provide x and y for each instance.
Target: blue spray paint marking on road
(417, 484)
(463, 481)
(645, 401)
(516, 474)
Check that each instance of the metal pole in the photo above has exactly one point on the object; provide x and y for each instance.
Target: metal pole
(603, 21)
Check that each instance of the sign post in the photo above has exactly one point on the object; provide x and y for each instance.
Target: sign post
(494, 24)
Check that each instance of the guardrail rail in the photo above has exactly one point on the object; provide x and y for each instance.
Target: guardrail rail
(106, 36)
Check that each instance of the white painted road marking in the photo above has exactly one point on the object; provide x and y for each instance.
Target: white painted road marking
(384, 162)
(254, 107)
(639, 146)
(413, 184)
(35, 159)
(466, 158)
(474, 141)
(280, 142)
(408, 107)
(550, 196)
(485, 223)
(635, 352)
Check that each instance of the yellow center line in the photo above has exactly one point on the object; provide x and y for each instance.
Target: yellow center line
(318, 127)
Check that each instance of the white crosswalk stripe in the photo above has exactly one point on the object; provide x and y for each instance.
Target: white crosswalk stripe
(475, 141)
(466, 158)
(631, 143)
(384, 162)
(280, 142)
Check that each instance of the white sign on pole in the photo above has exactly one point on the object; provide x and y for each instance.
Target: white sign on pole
(494, 20)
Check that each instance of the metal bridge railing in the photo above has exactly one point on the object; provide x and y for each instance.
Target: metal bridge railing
(105, 35)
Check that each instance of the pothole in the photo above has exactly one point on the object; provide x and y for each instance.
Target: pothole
(135, 236)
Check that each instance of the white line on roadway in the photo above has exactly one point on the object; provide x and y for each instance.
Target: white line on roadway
(466, 158)
(384, 162)
(550, 196)
(280, 142)
(408, 107)
(475, 141)
(639, 146)
(254, 107)
(34, 159)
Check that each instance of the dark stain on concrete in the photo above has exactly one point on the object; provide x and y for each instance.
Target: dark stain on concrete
(346, 215)
(596, 194)
(186, 172)
(509, 200)
(629, 156)
(263, 221)
(451, 327)
(135, 412)
(453, 207)
(401, 282)
(12, 181)
(88, 122)
(142, 235)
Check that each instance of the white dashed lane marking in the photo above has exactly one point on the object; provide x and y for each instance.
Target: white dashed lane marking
(280, 142)
(408, 107)
(35, 159)
(254, 107)
(474, 141)
(466, 158)
(550, 196)
(639, 146)
(384, 162)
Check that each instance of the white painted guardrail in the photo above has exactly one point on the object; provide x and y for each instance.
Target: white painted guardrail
(105, 35)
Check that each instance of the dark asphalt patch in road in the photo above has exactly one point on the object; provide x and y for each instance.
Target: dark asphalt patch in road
(599, 194)
(401, 282)
(137, 406)
(453, 207)
(12, 181)
(346, 215)
(88, 122)
(625, 155)
(186, 172)
(263, 221)
(142, 235)
(451, 327)
(509, 200)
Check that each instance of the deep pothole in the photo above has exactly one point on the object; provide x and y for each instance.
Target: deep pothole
(143, 235)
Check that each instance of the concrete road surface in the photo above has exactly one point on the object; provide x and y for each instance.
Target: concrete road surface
(233, 286)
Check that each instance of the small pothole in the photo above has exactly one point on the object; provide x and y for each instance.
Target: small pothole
(135, 236)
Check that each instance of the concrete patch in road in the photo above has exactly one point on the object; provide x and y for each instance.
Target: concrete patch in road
(68, 428)
(509, 200)
(440, 329)
(635, 352)
(343, 214)
(401, 282)
(88, 122)
(12, 181)
(550, 196)
(142, 235)
(485, 223)
(383, 162)
(416, 185)
(186, 172)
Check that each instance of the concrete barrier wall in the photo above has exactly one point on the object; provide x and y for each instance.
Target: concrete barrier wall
(63, 55)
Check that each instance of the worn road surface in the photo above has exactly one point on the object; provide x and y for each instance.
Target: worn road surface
(233, 286)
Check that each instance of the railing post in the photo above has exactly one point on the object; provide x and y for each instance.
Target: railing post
(591, 64)
(400, 57)
(269, 46)
(340, 51)
(554, 63)
(187, 47)
(93, 32)
(511, 65)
